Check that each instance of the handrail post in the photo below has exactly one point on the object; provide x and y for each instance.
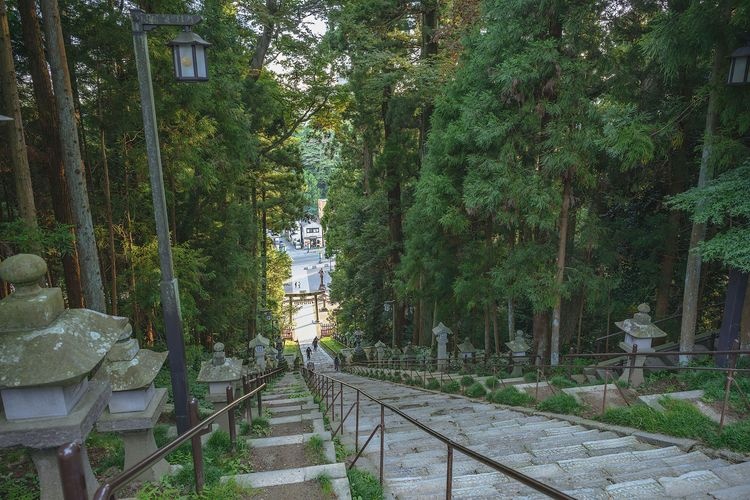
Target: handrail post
(341, 401)
(71, 471)
(230, 418)
(449, 474)
(604, 398)
(197, 449)
(356, 427)
(260, 406)
(382, 439)
(248, 407)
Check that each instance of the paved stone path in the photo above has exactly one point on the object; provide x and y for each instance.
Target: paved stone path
(323, 362)
(290, 401)
(582, 461)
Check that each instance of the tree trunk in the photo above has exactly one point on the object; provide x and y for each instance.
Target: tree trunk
(555, 342)
(540, 329)
(45, 101)
(511, 321)
(698, 232)
(487, 341)
(110, 224)
(93, 290)
(19, 160)
(495, 327)
(745, 322)
(264, 42)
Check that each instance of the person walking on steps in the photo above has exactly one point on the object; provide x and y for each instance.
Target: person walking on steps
(309, 353)
(336, 362)
(315, 344)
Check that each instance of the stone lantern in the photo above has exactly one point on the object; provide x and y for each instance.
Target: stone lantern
(135, 405)
(639, 333)
(380, 348)
(519, 353)
(466, 350)
(219, 373)
(358, 351)
(271, 354)
(441, 333)
(259, 345)
(46, 355)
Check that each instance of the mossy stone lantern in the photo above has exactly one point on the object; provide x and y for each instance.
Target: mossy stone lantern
(441, 333)
(47, 353)
(258, 345)
(519, 353)
(219, 373)
(466, 350)
(380, 349)
(135, 405)
(639, 333)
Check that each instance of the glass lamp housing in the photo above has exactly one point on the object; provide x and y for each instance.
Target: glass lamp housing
(738, 66)
(189, 57)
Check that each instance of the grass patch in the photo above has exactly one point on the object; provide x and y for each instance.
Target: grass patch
(475, 390)
(510, 396)
(109, 450)
(333, 345)
(324, 480)
(560, 403)
(261, 427)
(561, 382)
(451, 387)
(315, 451)
(363, 485)
(530, 377)
(342, 452)
(291, 348)
(467, 380)
(491, 382)
(164, 491)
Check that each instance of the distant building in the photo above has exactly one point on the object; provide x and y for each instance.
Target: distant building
(312, 235)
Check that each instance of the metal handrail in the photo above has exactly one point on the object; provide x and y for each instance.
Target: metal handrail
(69, 455)
(452, 445)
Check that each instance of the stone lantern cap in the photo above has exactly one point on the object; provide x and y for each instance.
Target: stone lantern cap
(259, 340)
(42, 343)
(379, 344)
(272, 351)
(129, 367)
(519, 344)
(441, 330)
(640, 326)
(466, 346)
(358, 333)
(229, 369)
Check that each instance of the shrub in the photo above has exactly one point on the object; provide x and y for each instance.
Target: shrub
(416, 381)
(529, 376)
(510, 396)
(467, 380)
(451, 387)
(433, 384)
(364, 485)
(475, 390)
(560, 403)
(491, 382)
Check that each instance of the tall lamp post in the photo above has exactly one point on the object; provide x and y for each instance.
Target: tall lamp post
(190, 65)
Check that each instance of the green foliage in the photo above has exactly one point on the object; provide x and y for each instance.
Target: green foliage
(491, 382)
(510, 396)
(363, 485)
(54, 241)
(467, 380)
(334, 345)
(451, 387)
(475, 390)
(560, 403)
(111, 448)
(324, 480)
(433, 384)
(261, 427)
(561, 382)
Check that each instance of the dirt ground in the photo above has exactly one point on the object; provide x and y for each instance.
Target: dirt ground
(279, 457)
(309, 490)
(291, 428)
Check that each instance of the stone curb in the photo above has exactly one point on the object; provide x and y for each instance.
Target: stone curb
(288, 476)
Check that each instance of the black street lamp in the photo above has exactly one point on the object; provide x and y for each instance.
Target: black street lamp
(739, 66)
(170, 296)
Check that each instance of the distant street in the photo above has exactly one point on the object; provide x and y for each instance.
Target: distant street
(306, 271)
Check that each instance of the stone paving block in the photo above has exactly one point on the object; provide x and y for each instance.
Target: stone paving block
(733, 493)
(646, 488)
(560, 453)
(701, 481)
(735, 474)
(600, 462)
(603, 444)
(693, 457)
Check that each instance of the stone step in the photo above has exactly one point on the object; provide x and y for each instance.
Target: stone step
(735, 474)
(732, 493)
(336, 472)
(691, 483)
(285, 440)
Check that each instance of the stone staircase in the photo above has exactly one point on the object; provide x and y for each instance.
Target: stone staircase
(323, 362)
(294, 420)
(585, 459)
